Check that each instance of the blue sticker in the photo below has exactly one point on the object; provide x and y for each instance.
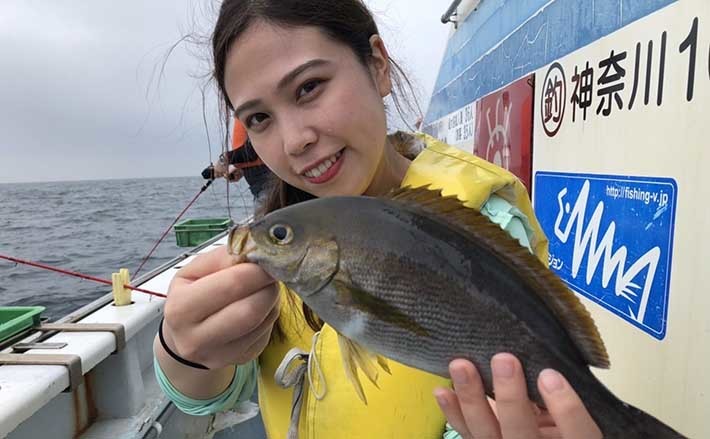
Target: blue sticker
(611, 240)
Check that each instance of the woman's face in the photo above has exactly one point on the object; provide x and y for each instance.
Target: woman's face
(313, 112)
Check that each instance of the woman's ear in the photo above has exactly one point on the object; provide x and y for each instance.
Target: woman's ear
(380, 66)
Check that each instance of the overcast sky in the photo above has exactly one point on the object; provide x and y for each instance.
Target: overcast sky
(81, 96)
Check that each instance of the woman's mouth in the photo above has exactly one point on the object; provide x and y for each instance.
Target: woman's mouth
(326, 170)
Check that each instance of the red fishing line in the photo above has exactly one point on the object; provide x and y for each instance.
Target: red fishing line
(75, 274)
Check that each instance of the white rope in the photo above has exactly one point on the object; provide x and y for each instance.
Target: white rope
(289, 375)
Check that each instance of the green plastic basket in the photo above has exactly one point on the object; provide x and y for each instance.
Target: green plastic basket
(193, 232)
(15, 319)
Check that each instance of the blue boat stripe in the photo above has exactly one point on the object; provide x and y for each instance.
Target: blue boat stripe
(507, 39)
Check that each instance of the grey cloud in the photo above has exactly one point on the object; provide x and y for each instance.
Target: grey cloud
(80, 99)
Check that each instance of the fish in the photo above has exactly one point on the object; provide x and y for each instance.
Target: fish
(418, 278)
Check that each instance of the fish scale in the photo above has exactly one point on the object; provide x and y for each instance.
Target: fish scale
(428, 282)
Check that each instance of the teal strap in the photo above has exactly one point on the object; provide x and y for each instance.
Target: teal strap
(240, 389)
(510, 219)
(450, 433)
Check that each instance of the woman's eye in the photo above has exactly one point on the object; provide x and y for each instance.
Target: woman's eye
(308, 88)
(255, 119)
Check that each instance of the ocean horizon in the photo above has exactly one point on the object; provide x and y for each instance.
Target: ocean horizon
(98, 179)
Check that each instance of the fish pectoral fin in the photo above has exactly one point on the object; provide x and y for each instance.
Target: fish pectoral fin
(355, 356)
(349, 294)
(366, 361)
(341, 282)
(350, 366)
(382, 361)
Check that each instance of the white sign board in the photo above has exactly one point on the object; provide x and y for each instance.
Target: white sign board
(456, 129)
(621, 170)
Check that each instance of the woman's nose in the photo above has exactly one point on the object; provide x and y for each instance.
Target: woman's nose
(297, 135)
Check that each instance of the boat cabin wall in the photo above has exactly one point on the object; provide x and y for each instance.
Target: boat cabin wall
(600, 108)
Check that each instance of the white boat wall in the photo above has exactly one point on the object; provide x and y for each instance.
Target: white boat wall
(107, 389)
(601, 108)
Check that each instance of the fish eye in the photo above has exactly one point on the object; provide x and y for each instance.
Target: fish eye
(281, 234)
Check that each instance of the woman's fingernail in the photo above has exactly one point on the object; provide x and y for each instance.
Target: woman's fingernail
(441, 400)
(502, 367)
(551, 380)
(459, 377)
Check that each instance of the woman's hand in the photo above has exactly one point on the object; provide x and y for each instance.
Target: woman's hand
(218, 313)
(220, 168)
(512, 415)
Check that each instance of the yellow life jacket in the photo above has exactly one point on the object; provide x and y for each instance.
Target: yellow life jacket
(473, 180)
(403, 406)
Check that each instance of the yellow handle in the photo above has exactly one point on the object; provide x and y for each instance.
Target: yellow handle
(121, 295)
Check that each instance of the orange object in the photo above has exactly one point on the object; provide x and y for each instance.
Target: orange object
(251, 164)
(239, 134)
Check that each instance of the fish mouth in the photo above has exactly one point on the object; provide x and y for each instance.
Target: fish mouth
(240, 243)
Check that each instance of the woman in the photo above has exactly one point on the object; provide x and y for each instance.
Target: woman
(307, 78)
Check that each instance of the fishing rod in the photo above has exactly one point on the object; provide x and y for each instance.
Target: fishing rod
(76, 274)
(204, 188)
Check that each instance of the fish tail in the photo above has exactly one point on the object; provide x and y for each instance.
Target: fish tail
(629, 422)
(644, 425)
(618, 419)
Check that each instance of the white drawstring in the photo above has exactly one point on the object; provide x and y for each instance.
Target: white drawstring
(287, 376)
(313, 361)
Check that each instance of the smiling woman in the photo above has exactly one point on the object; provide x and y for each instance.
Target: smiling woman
(303, 76)
(318, 109)
(308, 79)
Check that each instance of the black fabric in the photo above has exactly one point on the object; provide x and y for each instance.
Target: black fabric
(257, 177)
(243, 154)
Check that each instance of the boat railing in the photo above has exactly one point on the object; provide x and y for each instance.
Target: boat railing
(450, 12)
(95, 362)
(32, 336)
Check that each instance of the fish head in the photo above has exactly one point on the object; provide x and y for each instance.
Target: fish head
(290, 247)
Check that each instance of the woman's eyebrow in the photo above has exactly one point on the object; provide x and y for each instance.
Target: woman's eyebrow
(293, 74)
(245, 106)
(285, 81)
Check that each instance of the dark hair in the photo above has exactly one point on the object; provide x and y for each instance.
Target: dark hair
(347, 21)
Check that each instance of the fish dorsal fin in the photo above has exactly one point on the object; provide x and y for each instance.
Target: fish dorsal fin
(356, 356)
(565, 305)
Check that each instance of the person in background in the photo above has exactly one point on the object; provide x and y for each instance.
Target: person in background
(241, 161)
(307, 78)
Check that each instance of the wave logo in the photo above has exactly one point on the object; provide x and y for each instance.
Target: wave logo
(611, 240)
(498, 148)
